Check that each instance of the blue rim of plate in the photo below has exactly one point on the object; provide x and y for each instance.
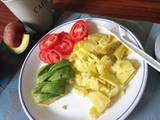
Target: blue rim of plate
(130, 107)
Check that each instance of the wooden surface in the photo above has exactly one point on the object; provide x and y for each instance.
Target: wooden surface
(145, 10)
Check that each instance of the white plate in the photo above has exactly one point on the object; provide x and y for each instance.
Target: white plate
(157, 48)
(77, 106)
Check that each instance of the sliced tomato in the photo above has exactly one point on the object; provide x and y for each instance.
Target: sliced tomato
(64, 45)
(44, 57)
(48, 41)
(54, 56)
(79, 30)
(64, 36)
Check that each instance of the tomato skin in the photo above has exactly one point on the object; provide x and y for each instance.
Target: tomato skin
(65, 47)
(54, 56)
(79, 30)
(48, 41)
(50, 56)
(64, 36)
(64, 44)
(55, 47)
(43, 56)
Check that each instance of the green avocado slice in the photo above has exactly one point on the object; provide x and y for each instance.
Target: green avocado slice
(24, 44)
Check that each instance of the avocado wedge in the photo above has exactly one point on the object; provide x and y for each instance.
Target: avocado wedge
(23, 46)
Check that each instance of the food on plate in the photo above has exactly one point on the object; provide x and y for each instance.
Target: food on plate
(79, 31)
(94, 65)
(102, 71)
(100, 102)
(13, 33)
(124, 70)
(57, 46)
(23, 46)
(51, 82)
(64, 45)
(48, 41)
(50, 56)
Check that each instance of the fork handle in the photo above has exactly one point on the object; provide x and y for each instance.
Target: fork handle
(146, 57)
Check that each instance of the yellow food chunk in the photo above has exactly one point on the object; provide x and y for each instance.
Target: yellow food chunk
(93, 113)
(124, 70)
(82, 54)
(104, 90)
(105, 40)
(79, 90)
(101, 81)
(104, 64)
(110, 48)
(99, 100)
(87, 81)
(89, 46)
(91, 83)
(80, 65)
(102, 71)
(109, 78)
(92, 69)
(92, 58)
(120, 52)
(114, 92)
(134, 63)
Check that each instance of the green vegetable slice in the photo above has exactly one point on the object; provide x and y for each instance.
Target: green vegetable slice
(43, 70)
(37, 88)
(47, 71)
(40, 97)
(55, 87)
(51, 81)
(59, 65)
(43, 92)
(65, 74)
(43, 77)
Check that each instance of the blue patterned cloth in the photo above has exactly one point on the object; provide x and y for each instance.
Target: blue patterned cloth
(148, 107)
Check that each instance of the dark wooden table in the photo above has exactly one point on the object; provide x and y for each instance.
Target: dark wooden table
(144, 10)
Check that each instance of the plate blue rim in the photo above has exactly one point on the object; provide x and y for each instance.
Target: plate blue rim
(130, 107)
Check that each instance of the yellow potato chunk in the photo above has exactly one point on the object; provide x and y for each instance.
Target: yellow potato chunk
(93, 113)
(105, 40)
(124, 70)
(99, 100)
(120, 52)
(104, 90)
(104, 64)
(92, 69)
(87, 81)
(109, 78)
(79, 90)
(102, 71)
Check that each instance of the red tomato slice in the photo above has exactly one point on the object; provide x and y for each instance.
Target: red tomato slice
(44, 57)
(79, 31)
(64, 36)
(48, 41)
(54, 56)
(64, 45)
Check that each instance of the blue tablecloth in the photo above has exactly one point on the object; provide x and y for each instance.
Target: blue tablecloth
(148, 107)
